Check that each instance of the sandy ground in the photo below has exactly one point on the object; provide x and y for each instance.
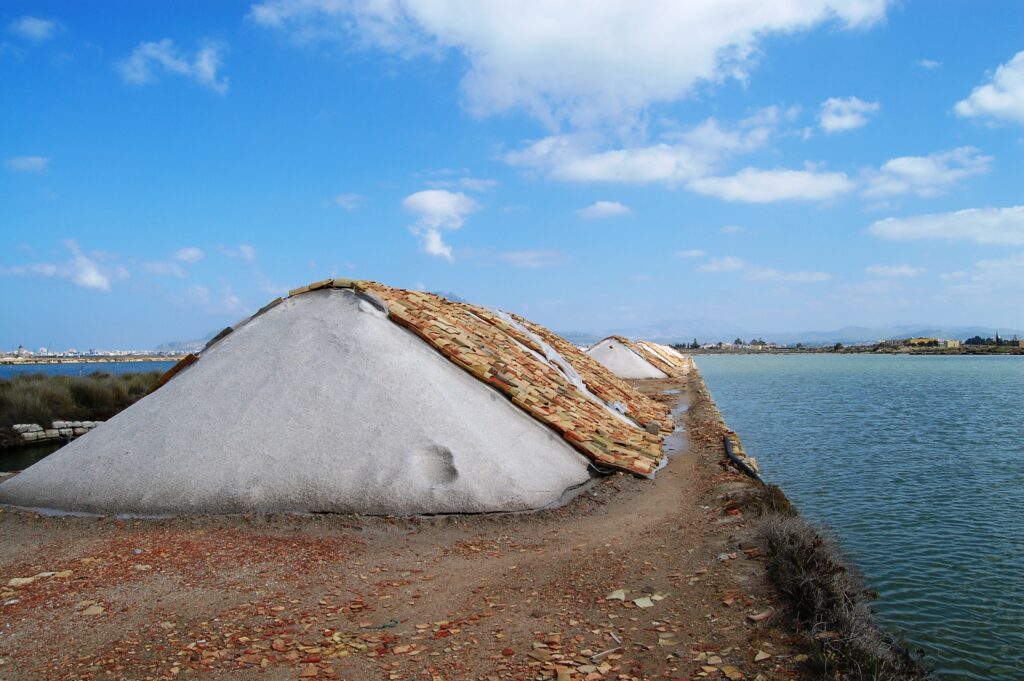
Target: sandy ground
(457, 597)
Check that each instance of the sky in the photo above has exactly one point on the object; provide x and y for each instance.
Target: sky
(765, 165)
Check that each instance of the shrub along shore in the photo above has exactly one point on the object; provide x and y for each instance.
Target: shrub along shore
(820, 585)
(42, 399)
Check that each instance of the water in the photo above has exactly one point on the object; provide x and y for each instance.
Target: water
(917, 463)
(82, 368)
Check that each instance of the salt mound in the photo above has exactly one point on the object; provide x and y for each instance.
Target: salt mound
(622, 360)
(640, 359)
(319, 404)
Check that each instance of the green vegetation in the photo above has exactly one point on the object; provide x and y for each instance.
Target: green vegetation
(41, 398)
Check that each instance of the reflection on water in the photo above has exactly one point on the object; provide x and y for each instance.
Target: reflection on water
(22, 457)
(918, 464)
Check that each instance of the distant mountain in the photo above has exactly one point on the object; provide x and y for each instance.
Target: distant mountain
(708, 331)
(851, 335)
(179, 347)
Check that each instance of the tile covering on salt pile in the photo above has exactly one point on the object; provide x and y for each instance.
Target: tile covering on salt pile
(499, 353)
(320, 403)
(639, 359)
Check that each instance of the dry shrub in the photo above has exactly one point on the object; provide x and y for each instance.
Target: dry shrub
(39, 398)
(831, 603)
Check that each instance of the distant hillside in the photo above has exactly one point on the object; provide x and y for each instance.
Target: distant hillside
(707, 331)
(180, 347)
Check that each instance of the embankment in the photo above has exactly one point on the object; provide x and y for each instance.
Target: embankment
(822, 590)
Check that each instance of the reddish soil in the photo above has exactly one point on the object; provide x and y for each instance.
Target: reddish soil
(457, 597)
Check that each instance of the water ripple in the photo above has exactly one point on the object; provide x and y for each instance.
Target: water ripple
(918, 464)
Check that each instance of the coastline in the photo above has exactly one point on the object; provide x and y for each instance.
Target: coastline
(533, 595)
(93, 359)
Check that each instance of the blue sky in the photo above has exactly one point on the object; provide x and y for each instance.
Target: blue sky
(770, 166)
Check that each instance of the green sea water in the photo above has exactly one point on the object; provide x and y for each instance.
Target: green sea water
(917, 464)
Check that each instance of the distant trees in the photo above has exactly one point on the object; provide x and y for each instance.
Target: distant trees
(978, 340)
(738, 341)
(694, 345)
(837, 347)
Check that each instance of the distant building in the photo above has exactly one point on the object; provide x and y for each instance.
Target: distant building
(949, 343)
(921, 341)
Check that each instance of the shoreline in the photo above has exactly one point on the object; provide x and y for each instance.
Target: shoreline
(332, 596)
(99, 359)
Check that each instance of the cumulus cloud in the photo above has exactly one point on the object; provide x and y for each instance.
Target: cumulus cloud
(532, 259)
(142, 65)
(1002, 98)
(34, 29)
(691, 253)
(995, 226)
(189, 254)
(925, 176)
(90, 271)
(603, 209)
(438, 210)
(561, 64)
(758, 273)
(841, 114)
(894, 270)
(678, 158)
(27, 164)
(242, 252)
(753, 185)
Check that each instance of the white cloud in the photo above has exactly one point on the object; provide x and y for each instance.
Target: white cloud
(164, 268)
(1003, 226)
(758, 273)
(438, 210)
(753, 185)
(84, 270)
(472, 184)
(733, 229)
(349, 201)
(1007, 271)
(603, 209)
(243, 252)
(532, 259)
(560, 63)
(894, 271)
(138, 68)
(770, 274)
(224, 301)
(842, 114)
(34, 29)
(925, 176)
(27, 164)
(1002, 98)
(679, 157)
(691, 253)
(189, 254)
(727, 264)
(928, 64)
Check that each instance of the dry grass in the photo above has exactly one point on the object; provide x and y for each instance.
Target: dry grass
(831, 604)
(41, 398)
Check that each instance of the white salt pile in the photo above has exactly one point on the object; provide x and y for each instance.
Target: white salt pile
(622, 360)
(320, 404)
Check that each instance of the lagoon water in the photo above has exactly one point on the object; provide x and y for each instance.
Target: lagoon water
(917, 464)
(82, 368)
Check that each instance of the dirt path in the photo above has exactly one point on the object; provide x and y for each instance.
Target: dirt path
(634, 579)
